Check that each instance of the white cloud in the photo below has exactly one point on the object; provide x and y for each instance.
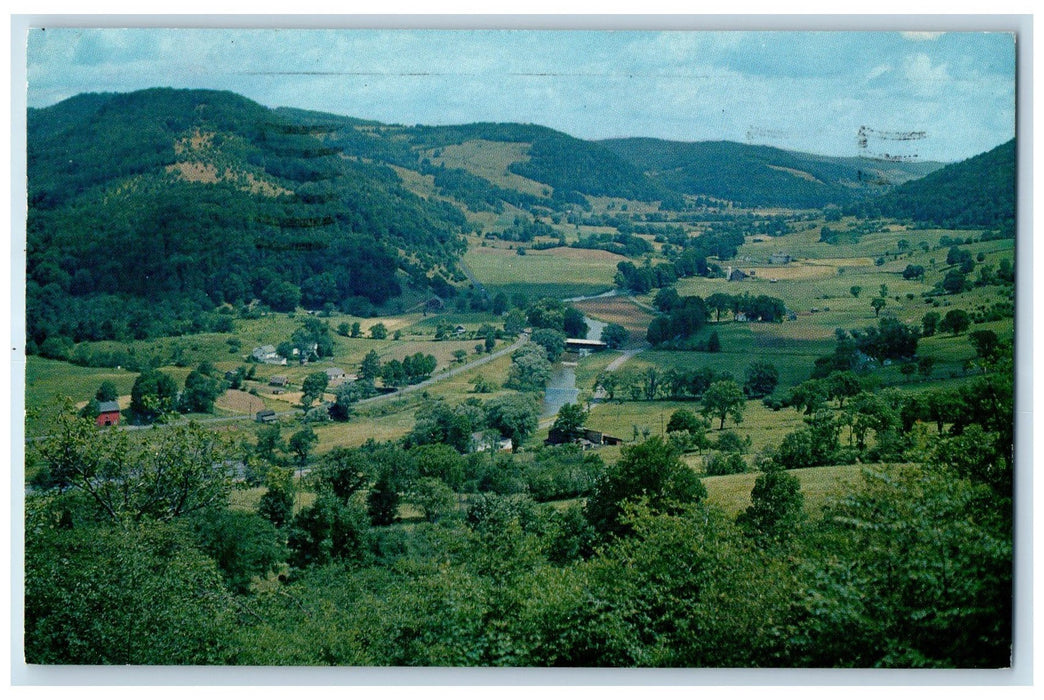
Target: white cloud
(926, 79)
(921, 36)
(879, 70)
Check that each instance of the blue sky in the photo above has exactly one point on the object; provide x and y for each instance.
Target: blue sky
(807, 91)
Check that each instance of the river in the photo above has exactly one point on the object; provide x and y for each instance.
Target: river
(561, 387)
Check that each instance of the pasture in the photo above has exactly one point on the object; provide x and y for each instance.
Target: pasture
(819, 485)
(557, 272)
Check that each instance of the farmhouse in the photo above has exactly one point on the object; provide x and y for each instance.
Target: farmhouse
(267, 354)
(108, 414)
(483, 443)
(335, 376)
(591, 438)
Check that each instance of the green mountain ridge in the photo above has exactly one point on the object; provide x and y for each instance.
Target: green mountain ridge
(762, 175)
(978, 192)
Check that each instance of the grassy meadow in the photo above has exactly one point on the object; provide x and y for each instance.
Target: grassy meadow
(556, 272)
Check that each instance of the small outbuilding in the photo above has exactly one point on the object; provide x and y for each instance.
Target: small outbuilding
(335, 376)
(108, 414)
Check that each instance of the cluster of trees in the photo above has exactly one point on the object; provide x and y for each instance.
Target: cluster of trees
(645, 278)
(554, 314)
(310, 341)
(890, 339)
(880, 424)
(688, 258)
(525, 229)
(682, 384)
(530, 368)
(683, 317)
(623, 243)
(755, 308)
(156, 396)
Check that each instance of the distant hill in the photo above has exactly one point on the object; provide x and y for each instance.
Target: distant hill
(149, 210)
(978, 192)
(761, 175)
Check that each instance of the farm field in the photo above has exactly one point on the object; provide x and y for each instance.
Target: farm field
(557, 272)
(819, 485)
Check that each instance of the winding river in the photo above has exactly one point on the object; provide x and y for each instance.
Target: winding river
(561, 387)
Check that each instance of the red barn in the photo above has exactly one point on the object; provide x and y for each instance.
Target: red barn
(108, 413)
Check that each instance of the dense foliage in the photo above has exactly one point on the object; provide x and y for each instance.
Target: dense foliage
(755, 175)
(978, 192)
(181, 201)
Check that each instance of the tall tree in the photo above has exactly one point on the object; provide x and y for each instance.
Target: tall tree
(183, 470)
(956, 321)
(153, 395)
(776, 509)
(313, 386)
(515, 416)
(569, 423)
(651, 470)
(723, 399)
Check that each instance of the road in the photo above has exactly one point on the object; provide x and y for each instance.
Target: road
(447, 374)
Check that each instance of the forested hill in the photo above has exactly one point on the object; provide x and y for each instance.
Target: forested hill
(978, 192)
(761, 175)
(149, 210)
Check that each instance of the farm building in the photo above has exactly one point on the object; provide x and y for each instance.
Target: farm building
(591, 438)
(483, 443)
(278, 380)
(108, 414)
(336, 376)
(736, 275)
(267, 354)
(780, 258)
(266, 416)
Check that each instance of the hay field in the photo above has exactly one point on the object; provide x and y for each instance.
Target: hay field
(819, 485)
(556, 272)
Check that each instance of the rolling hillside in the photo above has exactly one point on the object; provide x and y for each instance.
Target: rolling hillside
(978, 192)
(760, 175)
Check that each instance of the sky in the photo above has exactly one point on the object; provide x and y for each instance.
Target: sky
(915, 95)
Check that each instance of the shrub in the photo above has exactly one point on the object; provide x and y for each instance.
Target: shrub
(721, 463)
